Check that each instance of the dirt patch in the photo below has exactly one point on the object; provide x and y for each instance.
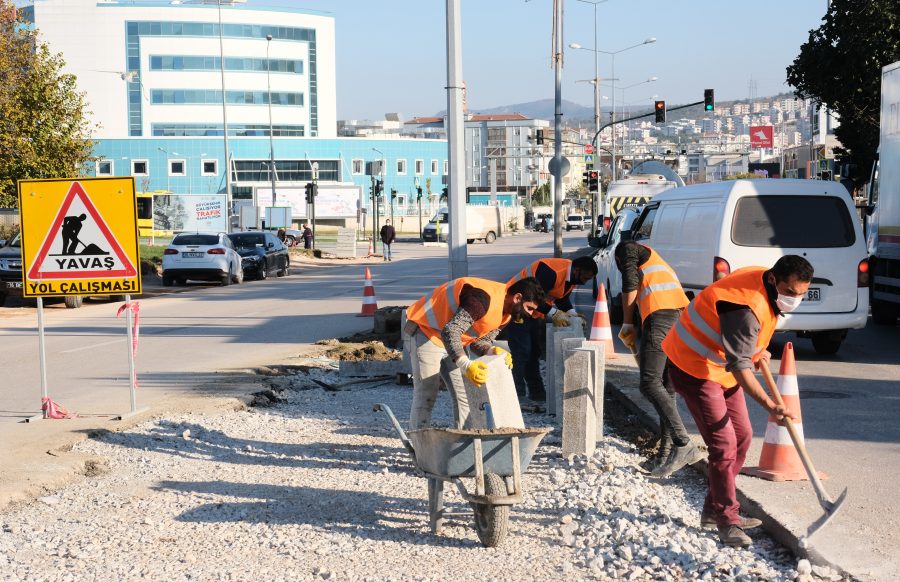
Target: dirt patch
(369, 351)
(626, 425)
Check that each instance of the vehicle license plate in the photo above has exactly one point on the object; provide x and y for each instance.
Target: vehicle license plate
(192, 255)
(814, 295)
(13, 284)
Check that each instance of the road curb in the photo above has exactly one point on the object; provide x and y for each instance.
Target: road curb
(632, 399)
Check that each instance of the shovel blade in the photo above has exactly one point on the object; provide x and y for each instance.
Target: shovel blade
(830, 511)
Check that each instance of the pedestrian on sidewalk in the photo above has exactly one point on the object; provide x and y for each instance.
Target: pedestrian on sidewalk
(713, 348)
(307, 237)
(558, 278)
(651, 285)
(463, 313)
(388, 234)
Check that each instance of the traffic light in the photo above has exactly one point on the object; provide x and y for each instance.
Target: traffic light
(379, 188)
(594, 182)
(540, 137)
(309, 192)
(444, 194)
(418, 192)
(709, 99)
(660, 108)
(393, 194)
(586, 180)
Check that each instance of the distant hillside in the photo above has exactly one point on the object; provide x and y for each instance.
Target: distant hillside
(573, 113)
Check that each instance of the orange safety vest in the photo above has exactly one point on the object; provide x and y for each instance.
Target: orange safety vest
(694, 343)
(660, 288)
(432, 312)
(561, 287)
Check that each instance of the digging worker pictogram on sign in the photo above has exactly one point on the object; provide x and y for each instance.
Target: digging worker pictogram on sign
(79, 237)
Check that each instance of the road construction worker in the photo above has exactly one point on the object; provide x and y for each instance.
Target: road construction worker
(651, 285)
(463, 313)
(557, 277)
(713, 348)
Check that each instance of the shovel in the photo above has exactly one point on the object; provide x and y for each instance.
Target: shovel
(830, 507)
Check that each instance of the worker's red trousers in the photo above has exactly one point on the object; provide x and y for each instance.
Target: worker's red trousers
(722, 419)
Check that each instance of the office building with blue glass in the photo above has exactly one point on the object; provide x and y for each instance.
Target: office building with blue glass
(163, 80)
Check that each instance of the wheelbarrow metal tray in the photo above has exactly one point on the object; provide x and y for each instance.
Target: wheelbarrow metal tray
(450, 452)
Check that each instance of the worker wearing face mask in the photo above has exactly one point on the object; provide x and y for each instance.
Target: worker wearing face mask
(713, 349)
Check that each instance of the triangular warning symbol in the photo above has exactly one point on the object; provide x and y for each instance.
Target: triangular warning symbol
(78, 220)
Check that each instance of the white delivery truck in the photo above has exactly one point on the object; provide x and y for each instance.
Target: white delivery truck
(883, 220)
(482, 223)
(632, 190)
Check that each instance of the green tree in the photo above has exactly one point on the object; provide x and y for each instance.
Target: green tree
(840, 65)
(541, 196)
(44, 131)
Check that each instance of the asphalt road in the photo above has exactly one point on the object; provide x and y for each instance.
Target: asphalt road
(850, 403)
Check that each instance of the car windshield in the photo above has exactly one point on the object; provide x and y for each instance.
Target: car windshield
(771, 221)
(196, 239)
(15, 242)
(575, 218)
(442, 217)
(247, 241)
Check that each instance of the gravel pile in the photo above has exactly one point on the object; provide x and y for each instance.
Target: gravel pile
(318, 487)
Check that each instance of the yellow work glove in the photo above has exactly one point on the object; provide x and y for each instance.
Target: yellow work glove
(507, 357)
(560, 319)
(628, 335)
(477, 372)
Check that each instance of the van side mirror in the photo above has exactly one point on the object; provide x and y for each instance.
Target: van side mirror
(597, 242)
(270, 245)
(626, 235)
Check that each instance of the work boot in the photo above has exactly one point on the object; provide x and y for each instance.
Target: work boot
(708, 521)
(732, 535)
(681, 456)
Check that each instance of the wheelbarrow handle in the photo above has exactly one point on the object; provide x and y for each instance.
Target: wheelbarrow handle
(824, 499)
(403, 438)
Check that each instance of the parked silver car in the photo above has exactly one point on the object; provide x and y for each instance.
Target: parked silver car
(204, 257)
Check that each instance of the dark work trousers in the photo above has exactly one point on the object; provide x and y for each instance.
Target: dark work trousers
(524, 345)
(722, 419)
(653, 368)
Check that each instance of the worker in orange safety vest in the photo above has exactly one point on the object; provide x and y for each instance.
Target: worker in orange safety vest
(465, 313)
(651, 285)
(713, 349)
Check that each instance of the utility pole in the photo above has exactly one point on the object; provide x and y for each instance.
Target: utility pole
(557, 131)
(315, 192)
(459, 266)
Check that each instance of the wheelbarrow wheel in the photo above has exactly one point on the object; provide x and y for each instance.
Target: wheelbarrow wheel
(492, 521)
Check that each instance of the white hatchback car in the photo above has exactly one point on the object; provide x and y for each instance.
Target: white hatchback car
(201, 256)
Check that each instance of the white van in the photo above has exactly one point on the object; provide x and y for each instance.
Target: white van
(482, 223)
(706, 231)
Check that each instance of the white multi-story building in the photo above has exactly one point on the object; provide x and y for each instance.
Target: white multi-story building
(155, 69)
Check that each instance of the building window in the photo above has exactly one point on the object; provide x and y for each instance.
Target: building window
(209, 167)
(446, 167)
(401, 200)
(212, 96)
(401, 167)
(420, 167)
(140, 167)
(176, 168)
(434, 167)
(238, 130)
(104, 167)
(358, 167)
(212, 63)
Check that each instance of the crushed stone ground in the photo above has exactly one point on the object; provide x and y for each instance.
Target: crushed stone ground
(319, 487)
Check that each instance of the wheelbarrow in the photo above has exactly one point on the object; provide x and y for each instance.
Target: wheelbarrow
(494, 457)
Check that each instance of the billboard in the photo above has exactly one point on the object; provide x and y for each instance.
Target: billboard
(333, 201)
(762, 136)
(189, 212)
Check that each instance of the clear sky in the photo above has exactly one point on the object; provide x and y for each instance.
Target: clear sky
(391, 54)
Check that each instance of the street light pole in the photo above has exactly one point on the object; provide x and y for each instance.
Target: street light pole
(375, 199)
(271, 132)
(228, 195)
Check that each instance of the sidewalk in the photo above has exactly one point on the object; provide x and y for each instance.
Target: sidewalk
(786, 508)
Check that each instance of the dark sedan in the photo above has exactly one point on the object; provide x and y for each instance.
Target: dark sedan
(261, 253)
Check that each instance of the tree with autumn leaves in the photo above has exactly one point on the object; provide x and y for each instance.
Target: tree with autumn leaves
(44, 126)
(840, 65)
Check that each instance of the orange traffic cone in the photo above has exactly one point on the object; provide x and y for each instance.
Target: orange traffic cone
(779, 460)
(600, 328)
(371, 249)
(369, 304)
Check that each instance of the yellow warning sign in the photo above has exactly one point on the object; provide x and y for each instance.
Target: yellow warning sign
(79, 237)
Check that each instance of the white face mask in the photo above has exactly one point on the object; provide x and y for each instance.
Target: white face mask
(786, 303)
